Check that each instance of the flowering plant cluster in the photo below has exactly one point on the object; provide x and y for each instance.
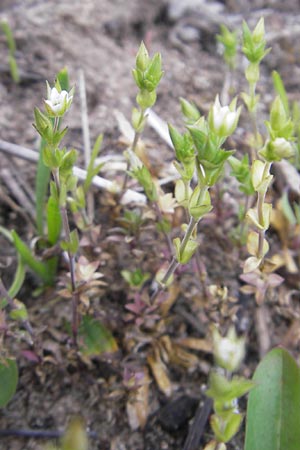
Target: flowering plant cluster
(200, 157)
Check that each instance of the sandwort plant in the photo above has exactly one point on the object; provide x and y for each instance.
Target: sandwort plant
(201, 154)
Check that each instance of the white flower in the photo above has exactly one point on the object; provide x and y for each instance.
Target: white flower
(229, 351)
(223, 119)
(58, 103)
(167, 203)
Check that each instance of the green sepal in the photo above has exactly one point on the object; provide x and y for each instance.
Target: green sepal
(199, 137)
(43, 125)
(142, 58)
(189, 111)
(254, 43)
(145, 98)
(153, 73)
(183, 144)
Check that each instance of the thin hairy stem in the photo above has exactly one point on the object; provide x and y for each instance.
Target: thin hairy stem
(71, 260)
(260, 205)
(174, 263)
(133, 148)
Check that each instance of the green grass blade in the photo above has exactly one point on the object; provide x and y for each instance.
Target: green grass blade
(18, 278)
(41, 189)
(37, 266)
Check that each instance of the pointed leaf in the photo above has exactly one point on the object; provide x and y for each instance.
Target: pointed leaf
(8, 380)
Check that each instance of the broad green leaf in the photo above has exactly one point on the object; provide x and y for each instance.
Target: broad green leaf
(273, 413)
(97, 338)
(8, 380)
(28, 258)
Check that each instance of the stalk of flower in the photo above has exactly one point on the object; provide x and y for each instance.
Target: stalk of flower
(147, 75)
(229, 40)
(199, 149)
(60, 162)
(254, 48)
(277, 147)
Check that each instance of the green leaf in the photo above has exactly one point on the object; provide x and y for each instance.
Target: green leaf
(20, 312)
(273, 413)
(280, 89)
(37, 266)
(41, 187)
(18, 278)
(9, 36)
(53, 220)
(224, 390)
(20, 272)
(68, 161)
(93, 170)
(63, 79)
(97, 338)
(8, 380)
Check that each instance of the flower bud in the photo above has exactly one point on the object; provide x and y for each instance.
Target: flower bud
(58, 102)
(142, 58)
(277, 150)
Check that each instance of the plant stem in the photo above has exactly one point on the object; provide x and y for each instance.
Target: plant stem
(133, 148)
(71, 258)
(160, 218)
(260, 205)
(174, 263)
